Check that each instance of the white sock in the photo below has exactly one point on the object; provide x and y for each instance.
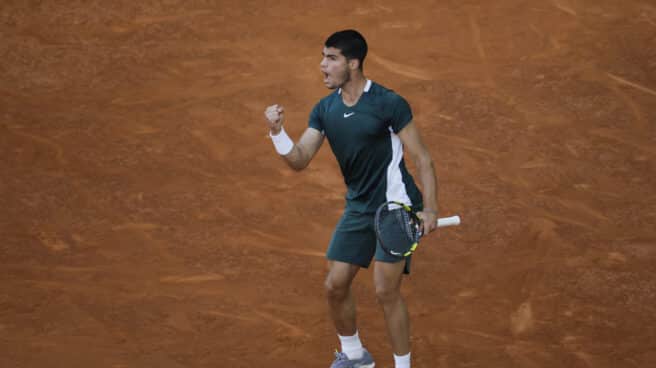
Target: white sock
(351, 346)
(402, 361)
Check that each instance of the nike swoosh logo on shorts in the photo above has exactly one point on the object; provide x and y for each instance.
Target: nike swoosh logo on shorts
(349, 114)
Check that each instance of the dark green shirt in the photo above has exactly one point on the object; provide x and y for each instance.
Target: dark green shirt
(365, 142)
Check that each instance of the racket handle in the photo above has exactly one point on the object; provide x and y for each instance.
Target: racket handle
(448, 221)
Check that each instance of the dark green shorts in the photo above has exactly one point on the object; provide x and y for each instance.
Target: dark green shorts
(354, 241)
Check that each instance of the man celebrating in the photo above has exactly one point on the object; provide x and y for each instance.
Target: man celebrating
(368, 127)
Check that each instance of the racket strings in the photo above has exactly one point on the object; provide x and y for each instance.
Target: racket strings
(403, 219)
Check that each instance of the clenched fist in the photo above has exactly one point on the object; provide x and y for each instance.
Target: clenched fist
(275, 114)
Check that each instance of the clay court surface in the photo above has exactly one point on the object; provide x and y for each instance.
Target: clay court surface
(147, 222)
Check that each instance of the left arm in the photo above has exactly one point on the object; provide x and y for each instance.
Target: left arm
(412, 142)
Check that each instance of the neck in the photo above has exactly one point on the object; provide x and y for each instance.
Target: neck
(353, 89)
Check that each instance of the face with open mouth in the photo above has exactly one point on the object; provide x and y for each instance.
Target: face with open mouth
(335, 68)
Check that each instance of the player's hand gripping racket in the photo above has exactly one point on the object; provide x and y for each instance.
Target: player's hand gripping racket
(398, 228)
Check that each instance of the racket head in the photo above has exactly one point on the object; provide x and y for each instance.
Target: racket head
(397, 229)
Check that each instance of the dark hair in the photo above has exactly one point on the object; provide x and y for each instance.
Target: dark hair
(351, 43)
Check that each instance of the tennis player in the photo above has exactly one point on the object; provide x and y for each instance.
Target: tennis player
(368, 128)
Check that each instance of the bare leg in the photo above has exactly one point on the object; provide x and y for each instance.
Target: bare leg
(340, 299)
(387, 278)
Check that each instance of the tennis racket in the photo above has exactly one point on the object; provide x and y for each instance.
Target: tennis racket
(398, 228)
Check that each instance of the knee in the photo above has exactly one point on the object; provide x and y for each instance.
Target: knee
(386, 295)
(335, 290)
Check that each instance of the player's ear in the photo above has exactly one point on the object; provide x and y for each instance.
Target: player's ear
(354, 63)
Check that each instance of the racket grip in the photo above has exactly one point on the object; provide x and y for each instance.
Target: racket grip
(448, 221)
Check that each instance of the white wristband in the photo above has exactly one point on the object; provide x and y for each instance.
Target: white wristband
(282, 142)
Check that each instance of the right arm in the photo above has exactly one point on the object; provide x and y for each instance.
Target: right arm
(302, 152)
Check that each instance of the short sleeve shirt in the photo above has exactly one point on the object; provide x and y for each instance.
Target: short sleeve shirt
(365, 143)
